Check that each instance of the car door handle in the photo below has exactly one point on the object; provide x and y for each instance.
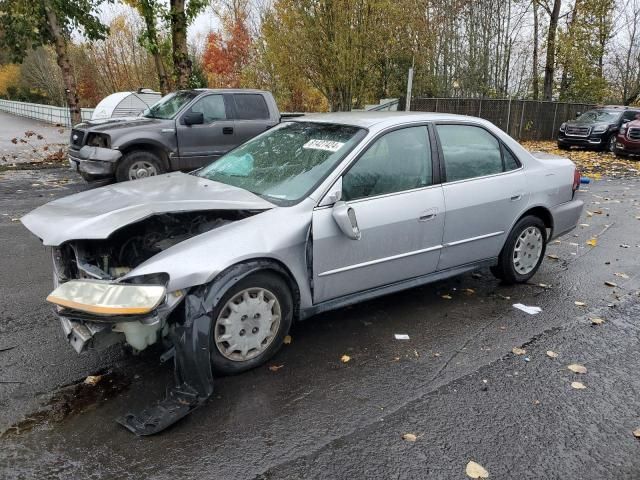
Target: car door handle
(227, 130)
(428, 215)
(517, 197)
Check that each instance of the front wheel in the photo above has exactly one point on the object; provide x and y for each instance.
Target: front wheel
(612, 143)
(250, 323)
(523, 251)
(139, 164)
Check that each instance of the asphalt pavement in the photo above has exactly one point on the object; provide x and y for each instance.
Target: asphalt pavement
(455, 385)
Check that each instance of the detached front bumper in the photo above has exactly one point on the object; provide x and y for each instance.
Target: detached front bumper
(94, 161)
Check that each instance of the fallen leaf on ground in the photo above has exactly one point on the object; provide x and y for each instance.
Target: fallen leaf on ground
(553, 257)
(287, 340)
(610, 284)
(580, 304)
(275, 368)
(92, 379)
(597, 321)
(592, 242)
(447, 297)
(621, 275)
(578, 385)
(544, 285)
(552, 354)
(469, 291)
(589, 214)
(636, 433)
(518, 351)
(345, 358)
(577, 368)
(584, 224)
(475, 470)
(409, 437)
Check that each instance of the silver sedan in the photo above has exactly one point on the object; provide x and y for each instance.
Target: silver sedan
(320, 212)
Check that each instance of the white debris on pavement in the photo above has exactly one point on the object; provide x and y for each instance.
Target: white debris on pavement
(401, 336)
(527, 309)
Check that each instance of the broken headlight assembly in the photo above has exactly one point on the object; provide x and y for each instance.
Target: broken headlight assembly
(101, 140)
(102, 298)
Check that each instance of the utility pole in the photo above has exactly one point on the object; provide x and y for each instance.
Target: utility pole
(407, 106)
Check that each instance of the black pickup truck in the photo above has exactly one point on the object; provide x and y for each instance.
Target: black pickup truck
(183, 131)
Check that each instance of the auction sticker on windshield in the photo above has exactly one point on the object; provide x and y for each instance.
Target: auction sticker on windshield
(328, 145)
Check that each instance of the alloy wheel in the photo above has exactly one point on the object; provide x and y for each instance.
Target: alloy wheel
(142, 169)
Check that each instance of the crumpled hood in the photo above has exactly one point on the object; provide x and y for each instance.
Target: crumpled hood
(96, 214)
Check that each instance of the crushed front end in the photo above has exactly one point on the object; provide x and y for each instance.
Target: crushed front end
(101, 301)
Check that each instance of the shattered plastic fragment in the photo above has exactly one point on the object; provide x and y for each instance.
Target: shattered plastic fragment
(527, 309)
(401, 336)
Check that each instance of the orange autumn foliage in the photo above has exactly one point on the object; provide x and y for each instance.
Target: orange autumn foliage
(226, 54)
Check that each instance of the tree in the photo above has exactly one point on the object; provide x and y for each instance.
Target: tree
(227, 53)
(180, 15)
(28, 24)
(550, 64)
(40, 72)
(150, 10)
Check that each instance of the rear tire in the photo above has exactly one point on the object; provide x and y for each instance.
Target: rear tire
(139, 164)
(243, 318)
(523, 251)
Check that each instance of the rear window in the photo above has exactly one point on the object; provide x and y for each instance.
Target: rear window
(251, 106)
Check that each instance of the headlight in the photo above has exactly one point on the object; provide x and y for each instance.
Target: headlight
(103, 298)
(98, 140)
(563, 127)
(600, 129)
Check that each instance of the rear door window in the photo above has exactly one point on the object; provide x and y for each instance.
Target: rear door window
(469, 152)
(251, 106)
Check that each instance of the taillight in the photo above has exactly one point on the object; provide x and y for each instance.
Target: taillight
(576, 180)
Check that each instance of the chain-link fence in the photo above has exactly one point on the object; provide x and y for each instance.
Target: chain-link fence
(46, 113)
(522, 119)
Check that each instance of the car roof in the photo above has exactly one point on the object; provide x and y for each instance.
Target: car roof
(369, 119)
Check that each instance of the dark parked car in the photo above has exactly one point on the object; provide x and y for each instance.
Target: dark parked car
(628, 139)
(185, 130)
(595, 129)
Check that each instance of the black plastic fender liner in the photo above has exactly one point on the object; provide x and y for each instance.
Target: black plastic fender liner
(192, 359)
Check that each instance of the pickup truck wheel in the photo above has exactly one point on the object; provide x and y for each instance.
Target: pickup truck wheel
(523, 251)
(138, 164)
(612, 143)
(562, 146)
(250, 323)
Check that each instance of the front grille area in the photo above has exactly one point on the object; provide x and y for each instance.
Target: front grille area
(634, 134)
(575, 131)
(77, 136)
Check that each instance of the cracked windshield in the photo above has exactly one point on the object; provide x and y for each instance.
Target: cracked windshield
(285, 163)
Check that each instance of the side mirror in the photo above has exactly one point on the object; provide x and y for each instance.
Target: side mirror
(345, 217)
(193, 118)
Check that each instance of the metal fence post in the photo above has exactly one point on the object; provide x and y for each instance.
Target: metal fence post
(521, 119)
(555, 115)
(508, 116)
(480, 108)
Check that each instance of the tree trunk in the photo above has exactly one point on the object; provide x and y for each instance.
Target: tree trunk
(566, 61)
(534, 72)
(146, 9)
(550, 66)
(62, 57)
(181, 61)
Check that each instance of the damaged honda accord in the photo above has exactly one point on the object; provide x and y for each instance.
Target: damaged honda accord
(317, 213)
